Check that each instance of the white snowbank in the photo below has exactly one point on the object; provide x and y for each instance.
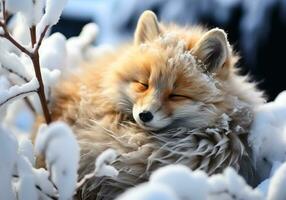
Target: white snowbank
(268, 135)
(278, 184)
(8, 158)
(60, 148)
(179, 182)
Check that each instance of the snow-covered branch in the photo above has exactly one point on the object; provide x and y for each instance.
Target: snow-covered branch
(102, 167)
(20, 179)
(37, 22)
(16, 92)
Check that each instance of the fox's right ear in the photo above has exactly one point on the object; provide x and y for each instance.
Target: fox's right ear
(213, 49)
(147, 28)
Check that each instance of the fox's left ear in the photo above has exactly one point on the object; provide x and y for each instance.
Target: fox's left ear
(213, 49)
(147, 28)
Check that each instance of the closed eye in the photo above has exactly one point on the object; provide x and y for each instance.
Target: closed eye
(144, 84)
(178, 97)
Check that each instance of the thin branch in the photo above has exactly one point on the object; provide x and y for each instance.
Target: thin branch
(84, 179)
(26, 100)
(37, 68)
(7, 35)
(30, 105)
(41, 39)
(17, 95)
(41, 91)
(33, 35)
(17, 74)
(4, 11)
(34, 56)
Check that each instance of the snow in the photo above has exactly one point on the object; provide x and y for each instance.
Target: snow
(50, 78)
(41, 177)
(12, 63)
(53, 52)
(18, 26)
(149, 192)
(278, 184)
(53, 11)
(4, 85)
(38, 6)
(60, 148)
(80, 48)
(102, 167)
(30, 10)
(268, 135)
(184, 188)
(26, 187)
(8, 158)
(17, 92)
(179, 182)
(26, 149)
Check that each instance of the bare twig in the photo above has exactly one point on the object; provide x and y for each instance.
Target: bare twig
(84, 179)
(41, 39)
(15, 73)
(41, 91)
(17, 95)
(7, 35)
(4, 11)
(26, 100)
(34, 56)
(30, 105)
(33, 35)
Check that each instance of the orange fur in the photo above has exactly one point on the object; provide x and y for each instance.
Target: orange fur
(162, 74)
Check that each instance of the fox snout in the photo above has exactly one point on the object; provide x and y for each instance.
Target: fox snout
(146, 116)
(150, 116)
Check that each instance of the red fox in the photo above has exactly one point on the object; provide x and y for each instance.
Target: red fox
(173, 96)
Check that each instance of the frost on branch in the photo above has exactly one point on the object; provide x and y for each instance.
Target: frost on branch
(102, 164)
(26, 184)
(102, 167)
(26, 149)
(58, 145)
(53, 52)
(53, 11)
(20, 56)
(11, 63)
(8, 158)
(16, 92)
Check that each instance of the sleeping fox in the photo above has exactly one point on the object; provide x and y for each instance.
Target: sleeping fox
(172, 96)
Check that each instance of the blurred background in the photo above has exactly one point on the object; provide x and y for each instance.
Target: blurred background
(256, 28)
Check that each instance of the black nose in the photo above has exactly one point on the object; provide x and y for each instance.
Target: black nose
(146, 116)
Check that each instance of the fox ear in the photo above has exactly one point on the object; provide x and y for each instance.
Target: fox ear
(147, 28)
(213, 49)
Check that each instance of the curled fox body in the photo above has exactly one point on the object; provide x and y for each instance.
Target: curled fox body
(173, 96)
